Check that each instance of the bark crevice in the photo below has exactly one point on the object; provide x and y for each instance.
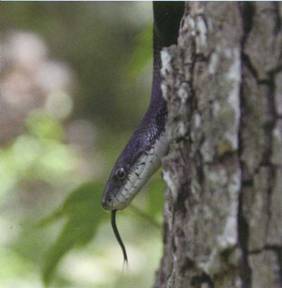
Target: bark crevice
(223, 87)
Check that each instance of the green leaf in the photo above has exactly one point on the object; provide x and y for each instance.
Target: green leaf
(83, 214)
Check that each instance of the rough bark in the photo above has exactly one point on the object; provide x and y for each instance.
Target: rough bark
(223, 86)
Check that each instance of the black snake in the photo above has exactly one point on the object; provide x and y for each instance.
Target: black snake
(142, 156)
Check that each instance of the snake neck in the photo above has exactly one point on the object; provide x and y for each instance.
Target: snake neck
(141, 157)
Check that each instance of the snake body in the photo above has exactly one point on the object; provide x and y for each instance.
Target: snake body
(142, 156)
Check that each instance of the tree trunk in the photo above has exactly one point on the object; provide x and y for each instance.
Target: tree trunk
(223, 210)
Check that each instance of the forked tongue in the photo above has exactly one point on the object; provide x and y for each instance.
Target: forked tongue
(117, 235)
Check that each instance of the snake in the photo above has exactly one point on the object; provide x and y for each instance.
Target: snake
(148, 144)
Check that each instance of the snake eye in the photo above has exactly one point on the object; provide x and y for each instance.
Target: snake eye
(120, 173)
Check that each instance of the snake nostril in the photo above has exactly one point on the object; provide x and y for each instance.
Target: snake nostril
(106, 201)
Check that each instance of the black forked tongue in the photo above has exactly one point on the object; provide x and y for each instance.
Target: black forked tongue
(117, 235)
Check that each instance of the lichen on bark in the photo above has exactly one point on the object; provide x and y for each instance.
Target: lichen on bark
(223, 202)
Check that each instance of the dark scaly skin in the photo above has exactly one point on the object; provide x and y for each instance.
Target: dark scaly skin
(167, 16)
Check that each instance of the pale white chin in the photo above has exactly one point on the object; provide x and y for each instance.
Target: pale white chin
(144, 168)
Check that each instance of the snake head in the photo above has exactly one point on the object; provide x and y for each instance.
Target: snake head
(114, 197)
(123, 182)
(138, 161)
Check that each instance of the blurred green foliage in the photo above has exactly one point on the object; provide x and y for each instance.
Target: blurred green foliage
(83, 215)
(38, 154)
(108, 48)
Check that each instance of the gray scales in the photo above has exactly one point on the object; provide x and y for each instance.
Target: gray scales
(142, 155)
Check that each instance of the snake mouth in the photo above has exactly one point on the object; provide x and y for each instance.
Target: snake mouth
(106, 204)
(111, 202)
(113, 205)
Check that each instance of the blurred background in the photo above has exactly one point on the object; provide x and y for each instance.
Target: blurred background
(74, 82)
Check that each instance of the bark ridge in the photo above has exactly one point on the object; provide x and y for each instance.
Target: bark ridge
(223, 86)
